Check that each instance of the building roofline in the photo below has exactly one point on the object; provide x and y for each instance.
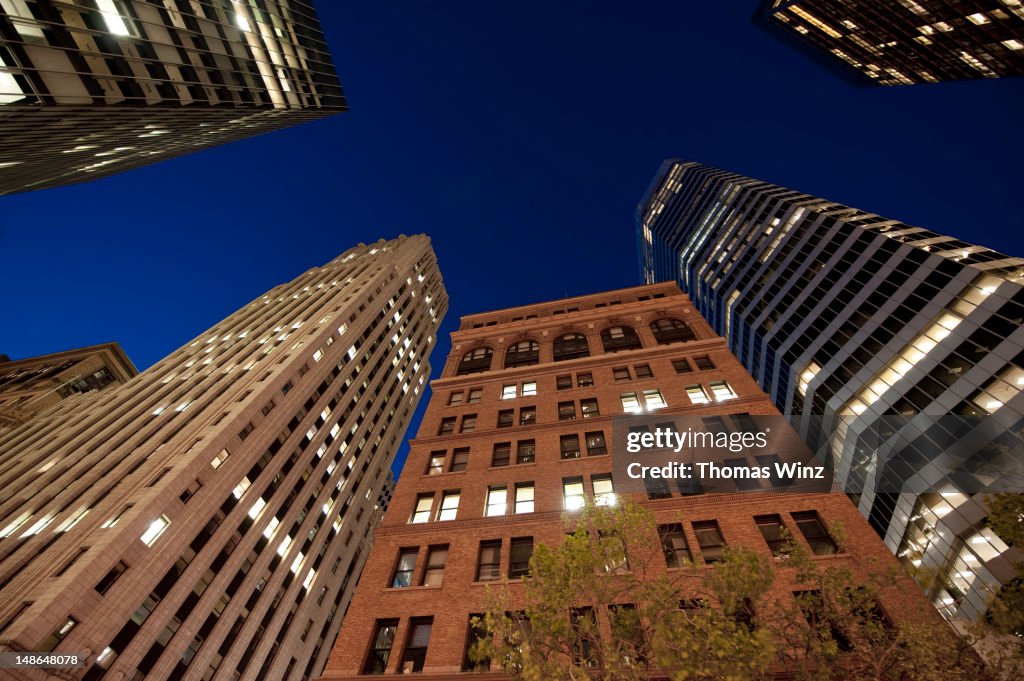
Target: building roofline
(113, 347)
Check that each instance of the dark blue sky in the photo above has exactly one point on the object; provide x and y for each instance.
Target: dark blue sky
(520, 136)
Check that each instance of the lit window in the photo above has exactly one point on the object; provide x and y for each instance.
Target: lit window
(404, 568)
(572, 494)
(630, 402)
(155, 529)
(436, 464)
(449, 506)
(978, 19)
(696, 394)
(722, 391)
(437, 558)
(1014, 44)
(508, 392)
(112, 17)
(806, 376)
(421, 513)
(524, 497)
(529, 388)
(654, 399)
(604, 495)
(497, 498)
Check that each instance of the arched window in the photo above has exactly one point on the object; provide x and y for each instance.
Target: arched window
(475, 361)
(571, 346)
(671, 330)
(522, 354)
(619, 338)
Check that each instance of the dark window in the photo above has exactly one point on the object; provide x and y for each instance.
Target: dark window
(671, 330)
(571, 346)
(460, 457)
(774, 533)
(506, 417)
(619, 338)
(584, 380)
(447, 426)
(569, 445)
(111, 577)
(588, 408)
(585, 635)
(475, 637)
(58, 635)
(475, 395)
(566, 411)
(404, 568)
(710, 540)
(526, 451)
(596, 444)
(814, 611)
(814, 532)
(519, 563)
(563, 382)
(681, 366)
(673, 543)
(527, 415)
(657, 488)
(437, 558)
(468, 423)
(455, 398)
(416, 645)
(703, 363)
(522, 354)
(502, 455)
(628, 633)
(475, 361)
(621, 374)
(489, 563)
(380, 647)
(643, 371)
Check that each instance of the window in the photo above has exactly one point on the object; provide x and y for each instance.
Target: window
(508, 392)
(416, 645)
(604, 495)
(657, 488)
(522, 354)
(155, 529)
(722, 391)
(774, 533)
(681, 366)
(519, 561)
(460, 458)
(566, 411)
(380, 647)
(584, 380)
(572, 494)
(526, 451)
(630, 403)
(571, 346)
(447, 426)
(588, 408)
(497, 500)
(643, 371)
(475, 361)
(814, 532)
(58, 635)
(673, 544)
(475, 395)
(614, 551)
(502, 454)
(421, 513)
(455, 398)
(449, 506)
(619, 338)
(108, 580)
(703, 363)
(710, 541)
(527, 415)
(506, 417)
(569, 446)
(654, 399)
(435, 466)
(596, 444)
(585, 633)
(627, 631)
(563, 382)
(671, 330)
(468, 423)
(489, 563)
(437, 558)
(621, 374)
(696, 394)
(524, 497)
(404, 568)
(475, 638)
(813, 609)
(529, 388)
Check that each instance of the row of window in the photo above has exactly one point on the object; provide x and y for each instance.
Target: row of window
(632, 402)
(575, 345)
(523, 451)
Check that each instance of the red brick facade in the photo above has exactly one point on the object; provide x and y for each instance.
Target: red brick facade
(461, 594)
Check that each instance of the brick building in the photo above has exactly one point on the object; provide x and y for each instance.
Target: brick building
(518, 430)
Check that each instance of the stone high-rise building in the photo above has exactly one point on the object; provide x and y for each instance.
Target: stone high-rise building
(856, 325)
(208, 520)
(518, 431)
(89, 88)
(901, 42)
(31, 385)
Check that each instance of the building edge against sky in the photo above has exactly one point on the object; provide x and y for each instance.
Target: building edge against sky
(518, 431)
(87, 92)
(208, 519)
(846, 315)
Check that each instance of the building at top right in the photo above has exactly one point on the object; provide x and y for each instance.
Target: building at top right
(896, 352)
(902, 42)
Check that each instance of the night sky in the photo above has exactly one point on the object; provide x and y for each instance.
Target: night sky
(520, 137)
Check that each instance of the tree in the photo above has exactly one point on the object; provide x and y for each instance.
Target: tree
(602, 606)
